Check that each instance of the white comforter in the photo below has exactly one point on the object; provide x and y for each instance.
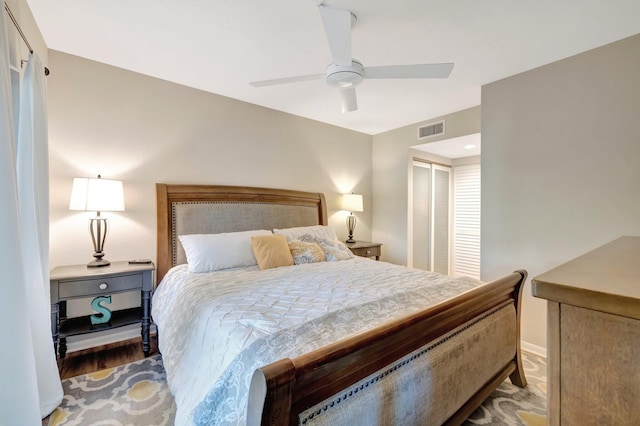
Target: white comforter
(216, 328)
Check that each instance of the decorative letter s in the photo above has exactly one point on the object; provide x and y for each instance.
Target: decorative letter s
(104, 314)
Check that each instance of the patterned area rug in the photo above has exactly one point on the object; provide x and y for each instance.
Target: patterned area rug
(137, 394)
(134, 394)
(511, 405)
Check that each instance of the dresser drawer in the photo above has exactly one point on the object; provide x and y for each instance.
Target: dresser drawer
(91, 287)
(366, 251)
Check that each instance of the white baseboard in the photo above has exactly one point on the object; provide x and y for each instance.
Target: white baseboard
(534, 349)
(87, 341)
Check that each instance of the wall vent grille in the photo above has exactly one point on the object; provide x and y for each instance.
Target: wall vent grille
(431, 130)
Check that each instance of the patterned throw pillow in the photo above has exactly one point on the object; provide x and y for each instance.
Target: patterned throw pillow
(333, 249)
(306, 252)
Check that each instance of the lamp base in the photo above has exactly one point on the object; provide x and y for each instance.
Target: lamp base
(98, 229)
(97, 263)
(351, 226)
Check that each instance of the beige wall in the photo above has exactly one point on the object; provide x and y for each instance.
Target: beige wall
(560, 165)
(390, 163)
(143, 130)
(22, 13)
(559, 147)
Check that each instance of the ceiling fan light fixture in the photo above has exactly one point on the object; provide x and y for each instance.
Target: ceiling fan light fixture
(345, 73)
(342, 76)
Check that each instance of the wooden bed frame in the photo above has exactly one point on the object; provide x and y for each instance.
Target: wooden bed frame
(167, 195)
(295, 385)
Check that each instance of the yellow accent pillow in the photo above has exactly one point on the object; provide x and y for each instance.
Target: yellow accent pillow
(271, 251)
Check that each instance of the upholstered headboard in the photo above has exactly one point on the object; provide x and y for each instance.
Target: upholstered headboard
(213, 209)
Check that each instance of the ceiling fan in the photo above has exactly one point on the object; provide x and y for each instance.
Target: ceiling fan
(345, 72)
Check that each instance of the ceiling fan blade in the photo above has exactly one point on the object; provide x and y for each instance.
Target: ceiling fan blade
(337, 26)
(349, 100)
(286, 80)
(409, 71)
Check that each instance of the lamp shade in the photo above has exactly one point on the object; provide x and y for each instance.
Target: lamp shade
(97, 194)
(352, 202)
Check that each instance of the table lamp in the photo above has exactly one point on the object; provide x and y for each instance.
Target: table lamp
(98, 195)
(351, 203)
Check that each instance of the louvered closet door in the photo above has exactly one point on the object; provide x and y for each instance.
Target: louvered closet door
(466, 227)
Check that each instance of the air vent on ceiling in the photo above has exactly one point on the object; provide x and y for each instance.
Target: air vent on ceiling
(431, 130)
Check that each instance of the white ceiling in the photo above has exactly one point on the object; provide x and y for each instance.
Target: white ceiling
(221, 45)
(460, 147)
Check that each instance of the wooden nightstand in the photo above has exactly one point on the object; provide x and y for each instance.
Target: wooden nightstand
(78, 281)
(365, 249)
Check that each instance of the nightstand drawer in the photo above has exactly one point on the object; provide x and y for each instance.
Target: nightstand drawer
(366, 251)
(96, 286)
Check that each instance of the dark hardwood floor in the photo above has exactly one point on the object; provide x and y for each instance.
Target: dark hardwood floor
(101, 357)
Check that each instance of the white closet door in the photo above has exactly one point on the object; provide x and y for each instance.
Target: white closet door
(441, 218)
(421, 215)
(431, 217)
(466, 227)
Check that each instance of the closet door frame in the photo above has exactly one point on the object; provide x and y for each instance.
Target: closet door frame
(433, 167)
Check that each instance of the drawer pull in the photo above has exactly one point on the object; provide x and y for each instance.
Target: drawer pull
(368, 251)
(103, 286)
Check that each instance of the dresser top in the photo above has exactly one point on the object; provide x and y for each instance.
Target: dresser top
(606, 279)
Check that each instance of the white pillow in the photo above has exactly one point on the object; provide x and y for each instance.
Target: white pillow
(316, 231)
(212, 252)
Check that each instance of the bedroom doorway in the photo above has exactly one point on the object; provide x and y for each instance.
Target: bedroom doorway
(444, 207)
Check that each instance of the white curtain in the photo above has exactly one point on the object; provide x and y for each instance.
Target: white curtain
(30, 387)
